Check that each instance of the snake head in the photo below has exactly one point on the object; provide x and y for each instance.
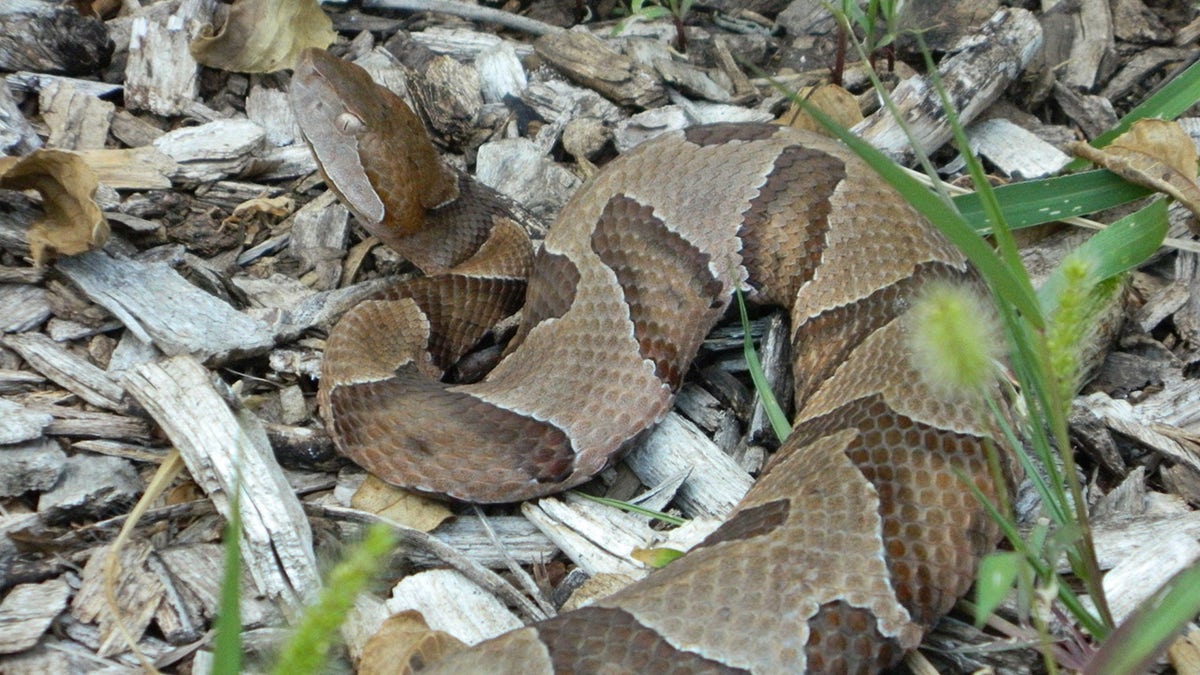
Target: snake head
(372, 149)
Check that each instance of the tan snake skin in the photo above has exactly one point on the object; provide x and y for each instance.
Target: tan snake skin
(857, 537)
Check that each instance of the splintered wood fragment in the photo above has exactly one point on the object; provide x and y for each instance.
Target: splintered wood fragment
(1141, 575)
(467, 11)
(974, 76)
(18, 424)
(34, 82)
(28, 610)
(591, 62)
(48, 37)
(161, 308)
(465, 44)
(195, 569)
(212, 151)
(66, 369)
(519, 169)
(138, 593)
(1118, 539)
(450, 602)
(23, 307)
(1132, 421)
(161, 76)
(78, 423)
(595, 537)
(521, 540)
(716, 483)
(17, 135)
(1136, 71)
(77, 121)
(142, 168)
(227, 451)
(1014, 150)
(446, 92)
(1092, 44)
(501, 73)
(776, 366)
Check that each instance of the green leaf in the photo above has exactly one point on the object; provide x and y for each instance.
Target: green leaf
(1049, 199)
(656, 558)
(1133, 647)
(998, 573)
(1117, 248)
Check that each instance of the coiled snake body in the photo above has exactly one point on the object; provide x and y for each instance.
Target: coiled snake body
(858, 535)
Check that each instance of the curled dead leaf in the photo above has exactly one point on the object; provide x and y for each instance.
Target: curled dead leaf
(404, 643)
(263, 36)
(1156, 154)
(402, 506)
(267, 206)
(829, 99)
(73, 223)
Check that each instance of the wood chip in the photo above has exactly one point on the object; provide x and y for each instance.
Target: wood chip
(161, 308)
(28, 610)
(227, 452)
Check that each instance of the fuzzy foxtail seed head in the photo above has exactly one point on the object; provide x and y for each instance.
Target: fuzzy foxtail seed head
(954, 340)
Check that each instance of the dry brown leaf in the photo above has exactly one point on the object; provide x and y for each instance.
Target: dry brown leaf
(404, 643)
(402, 506)
(829, 99)
(269, 206)
(1156, 154)
(73, 223)
(263, 36)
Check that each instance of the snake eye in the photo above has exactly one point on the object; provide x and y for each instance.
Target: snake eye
(349, 123)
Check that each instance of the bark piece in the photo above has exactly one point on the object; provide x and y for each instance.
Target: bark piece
(227, 451)
(973, 76)
(1091, 46)
(716, 483)
(210, 152)
(46, 38)
(66, 369)
(591, 62)
(17, 135)
(138, 593)
(451, 603)
(162, 308)
(1016, 152)
(518, 168)
(161, 76)
(27, 612)
(23, 307)
(28, 467)
(77, 121)
(91, 487)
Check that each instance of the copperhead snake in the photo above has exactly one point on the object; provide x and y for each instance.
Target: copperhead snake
(857, 536)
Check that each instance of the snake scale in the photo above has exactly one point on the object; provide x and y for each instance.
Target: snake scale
(857, 536)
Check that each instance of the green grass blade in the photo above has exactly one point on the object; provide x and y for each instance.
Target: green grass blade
(1118, 248)
(999, 276)
(227, 646)
(1133, 647)
(632, 508)
(1167, 103)
(779, 419)
(1049, 199)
